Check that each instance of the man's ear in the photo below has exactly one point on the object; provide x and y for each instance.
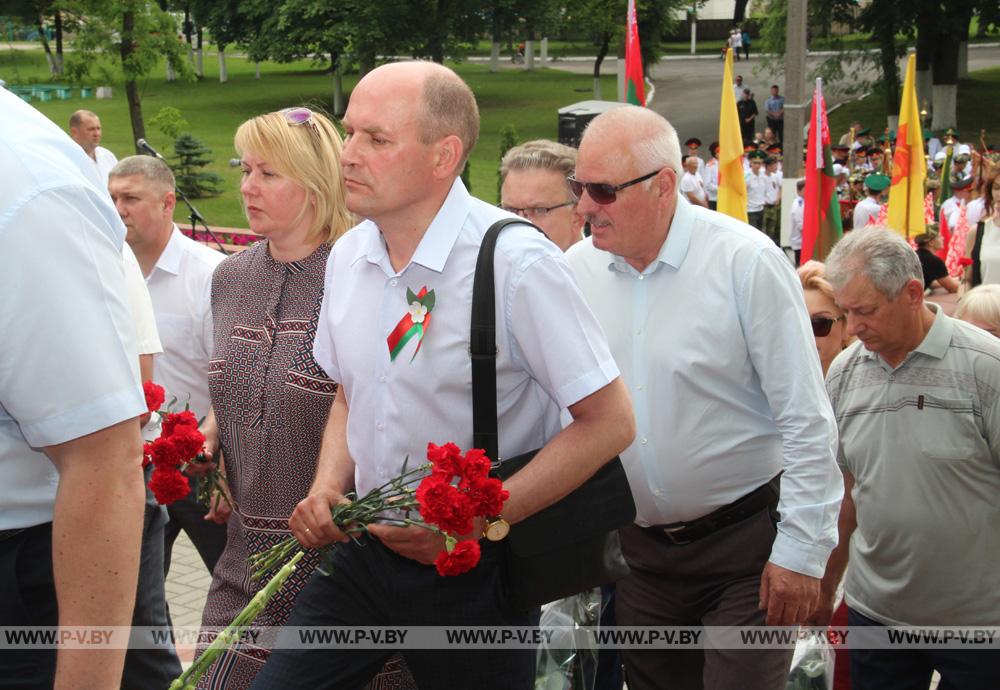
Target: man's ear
(449, 153)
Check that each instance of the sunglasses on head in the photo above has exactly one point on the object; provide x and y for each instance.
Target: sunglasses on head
(821, 325)
(298, 116)
(601, 192)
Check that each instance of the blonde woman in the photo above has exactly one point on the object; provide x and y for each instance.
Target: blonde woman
(828, 323)
(980, 306)
(269, 397)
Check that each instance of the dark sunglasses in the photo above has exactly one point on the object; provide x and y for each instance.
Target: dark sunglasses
(601, 192)
(822, 325)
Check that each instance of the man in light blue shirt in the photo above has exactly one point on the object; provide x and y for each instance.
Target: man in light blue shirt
(71, 493)
(707, 323)
(774, 112)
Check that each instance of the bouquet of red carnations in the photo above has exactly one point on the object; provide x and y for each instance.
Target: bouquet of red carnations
(454, 490)
(178, 447)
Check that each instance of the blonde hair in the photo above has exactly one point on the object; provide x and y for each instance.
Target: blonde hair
(308, 154)
(812, 275)
(982, 304)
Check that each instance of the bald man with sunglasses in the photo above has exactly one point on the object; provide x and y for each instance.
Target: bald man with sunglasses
(707, 323)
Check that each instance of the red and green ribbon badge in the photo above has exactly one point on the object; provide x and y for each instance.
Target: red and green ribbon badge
(414, 324)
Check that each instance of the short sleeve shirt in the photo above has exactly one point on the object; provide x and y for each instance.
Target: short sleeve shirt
(70, 363)
(551, 350)
(933, 267)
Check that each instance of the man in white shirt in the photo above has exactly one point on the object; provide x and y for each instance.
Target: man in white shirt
(772, 200)
(70, 450)
(410, 127)
(711, 175)
(798, 218)
(85, 129)
(716, 424)
(961, 192)
(756, 182)
(692, 186)
(178, 274)
(867, 210)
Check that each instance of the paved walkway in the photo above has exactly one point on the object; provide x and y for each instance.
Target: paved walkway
(187, 587)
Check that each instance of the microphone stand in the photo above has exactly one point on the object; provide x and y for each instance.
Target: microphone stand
(194, 216)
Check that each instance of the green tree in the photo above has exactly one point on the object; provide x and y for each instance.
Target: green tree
(508, 140)
(191, 156)
(134, 34)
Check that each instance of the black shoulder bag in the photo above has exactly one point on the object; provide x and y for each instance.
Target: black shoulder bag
(572, 545)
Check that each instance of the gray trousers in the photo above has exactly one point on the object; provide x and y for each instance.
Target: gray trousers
(713, 581)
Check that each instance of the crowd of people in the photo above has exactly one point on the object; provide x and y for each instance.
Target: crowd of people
(778, 430)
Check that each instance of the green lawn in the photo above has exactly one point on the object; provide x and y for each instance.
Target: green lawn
(978, 105)
(214, 111)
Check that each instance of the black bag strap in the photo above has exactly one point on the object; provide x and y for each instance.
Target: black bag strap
(483, 344)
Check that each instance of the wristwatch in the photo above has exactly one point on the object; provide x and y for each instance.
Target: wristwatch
(496, 528)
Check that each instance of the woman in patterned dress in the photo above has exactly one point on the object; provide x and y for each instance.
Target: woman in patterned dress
(269, 397)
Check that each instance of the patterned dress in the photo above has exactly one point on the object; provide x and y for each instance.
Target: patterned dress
(271, 402)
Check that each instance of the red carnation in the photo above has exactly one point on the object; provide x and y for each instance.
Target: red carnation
(164, 454)
(154, 395)
(168, 486)
(447, 460)
(444, 505)
(176, 419)
(187, 441)
(487, 495)
(461, 559)
(476, 464)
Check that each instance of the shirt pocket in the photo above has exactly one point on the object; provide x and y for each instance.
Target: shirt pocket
(946, 425)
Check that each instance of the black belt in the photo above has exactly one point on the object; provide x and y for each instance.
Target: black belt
(680, 533)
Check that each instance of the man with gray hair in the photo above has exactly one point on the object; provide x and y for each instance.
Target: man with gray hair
(917, 400)
(533, 185)
(710, 330)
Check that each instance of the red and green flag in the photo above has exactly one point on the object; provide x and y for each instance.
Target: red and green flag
(635, 90)
(821, 227)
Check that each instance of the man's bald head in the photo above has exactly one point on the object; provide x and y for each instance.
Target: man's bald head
(85, 130)
(646, 135)
(449, 107)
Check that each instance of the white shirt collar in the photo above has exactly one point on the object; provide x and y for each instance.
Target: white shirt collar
(170, 257)
(436, 244)
(674, 248)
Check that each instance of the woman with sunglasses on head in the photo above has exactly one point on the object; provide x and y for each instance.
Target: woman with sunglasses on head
(270, 399)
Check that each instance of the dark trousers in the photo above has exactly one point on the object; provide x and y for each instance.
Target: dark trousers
(208, 538)
(911, 669)
(712, 581)
(151, 668)
(609, 661)
(370, 585)
(27, 598)
(746, 131)
(778, 127)
(756, 219)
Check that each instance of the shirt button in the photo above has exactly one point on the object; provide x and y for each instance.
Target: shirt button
(393, 282)
(641, 276)
(642, 440)
(657, 492)
(381, 379)
(380, 426)
(639, 387)
(638, 331)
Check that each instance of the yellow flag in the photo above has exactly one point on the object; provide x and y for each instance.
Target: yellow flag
(732, 185)
(905, 213)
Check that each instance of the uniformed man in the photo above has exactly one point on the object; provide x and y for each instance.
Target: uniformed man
(868, 209)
